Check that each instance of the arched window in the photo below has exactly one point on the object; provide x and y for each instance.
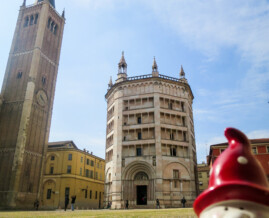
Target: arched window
(52, 26)
(26, 21)
(36, 18)
(49, 22)
(32, 20)
(55, 30)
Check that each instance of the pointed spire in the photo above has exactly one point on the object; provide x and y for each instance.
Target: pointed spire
(122, 65)
(154, 66)
(122, 62)
(182, 73)
(155, 72)
(24, 3)
(122, 71)
(63, 14)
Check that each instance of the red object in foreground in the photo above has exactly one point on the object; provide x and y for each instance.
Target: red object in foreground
(235, 175)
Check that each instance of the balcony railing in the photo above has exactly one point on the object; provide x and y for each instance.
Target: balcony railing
(150, 76)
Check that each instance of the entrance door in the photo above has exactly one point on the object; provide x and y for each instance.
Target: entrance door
(141, 193)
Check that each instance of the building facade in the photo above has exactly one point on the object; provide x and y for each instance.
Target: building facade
(73, 172)
(26, 102)
(203, 176)
(259, 147)
(150, 141)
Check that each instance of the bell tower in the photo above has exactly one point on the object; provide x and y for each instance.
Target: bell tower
(26, 102)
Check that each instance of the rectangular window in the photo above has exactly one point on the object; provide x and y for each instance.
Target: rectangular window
(176, 174)
(91, 174)
(254, 150)
(90, 194)
(170, 106)
(51, 170)
(87, 173)
(69, 156)
(173, 151)
(138, 151)
(88, 162)
(52, 157)
(184, 136)
(139, 135)
(96, 175)
(172, 136)
(68, 169)
(92, 163)
(49, 194)
(96, 195)
(67, 191)
(139, 120)
(86, 193)
(222, 149)
(81, 159)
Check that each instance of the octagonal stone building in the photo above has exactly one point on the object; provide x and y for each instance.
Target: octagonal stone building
(150, 141)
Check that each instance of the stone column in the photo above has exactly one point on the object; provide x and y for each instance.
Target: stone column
(158, 146)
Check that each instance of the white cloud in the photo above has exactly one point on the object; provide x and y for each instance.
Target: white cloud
(211, 25)
(257, 134)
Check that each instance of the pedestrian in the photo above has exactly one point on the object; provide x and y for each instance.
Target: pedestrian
(126, 204)
(36, 204)
(183, 201)
(73, 199)
(66, 202)
(157, 203)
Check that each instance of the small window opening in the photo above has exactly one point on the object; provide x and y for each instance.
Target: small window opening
(36, 18)
(51, 170)
(19, 75)
(26, 22)
(43, 80)
(173, 151)
(139, 135)
(139, 120)
(49, 194)
(52, 26)
(49, 23)
(32, 20)
(55, 30)
(138, 151)
(172, 136)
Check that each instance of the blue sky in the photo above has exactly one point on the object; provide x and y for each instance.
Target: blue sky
(222, 45)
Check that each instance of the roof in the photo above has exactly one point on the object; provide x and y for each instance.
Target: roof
(68, 145)
(252, 142)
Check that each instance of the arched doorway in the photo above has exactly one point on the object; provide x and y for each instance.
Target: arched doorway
(141, 179)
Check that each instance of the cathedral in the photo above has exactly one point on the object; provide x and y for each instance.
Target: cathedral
(150, 140)
(26, 102)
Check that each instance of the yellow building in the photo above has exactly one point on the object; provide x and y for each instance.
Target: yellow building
(71, 171)
(203, 176)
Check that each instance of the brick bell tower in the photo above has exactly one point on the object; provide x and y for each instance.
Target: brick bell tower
(26, 102)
